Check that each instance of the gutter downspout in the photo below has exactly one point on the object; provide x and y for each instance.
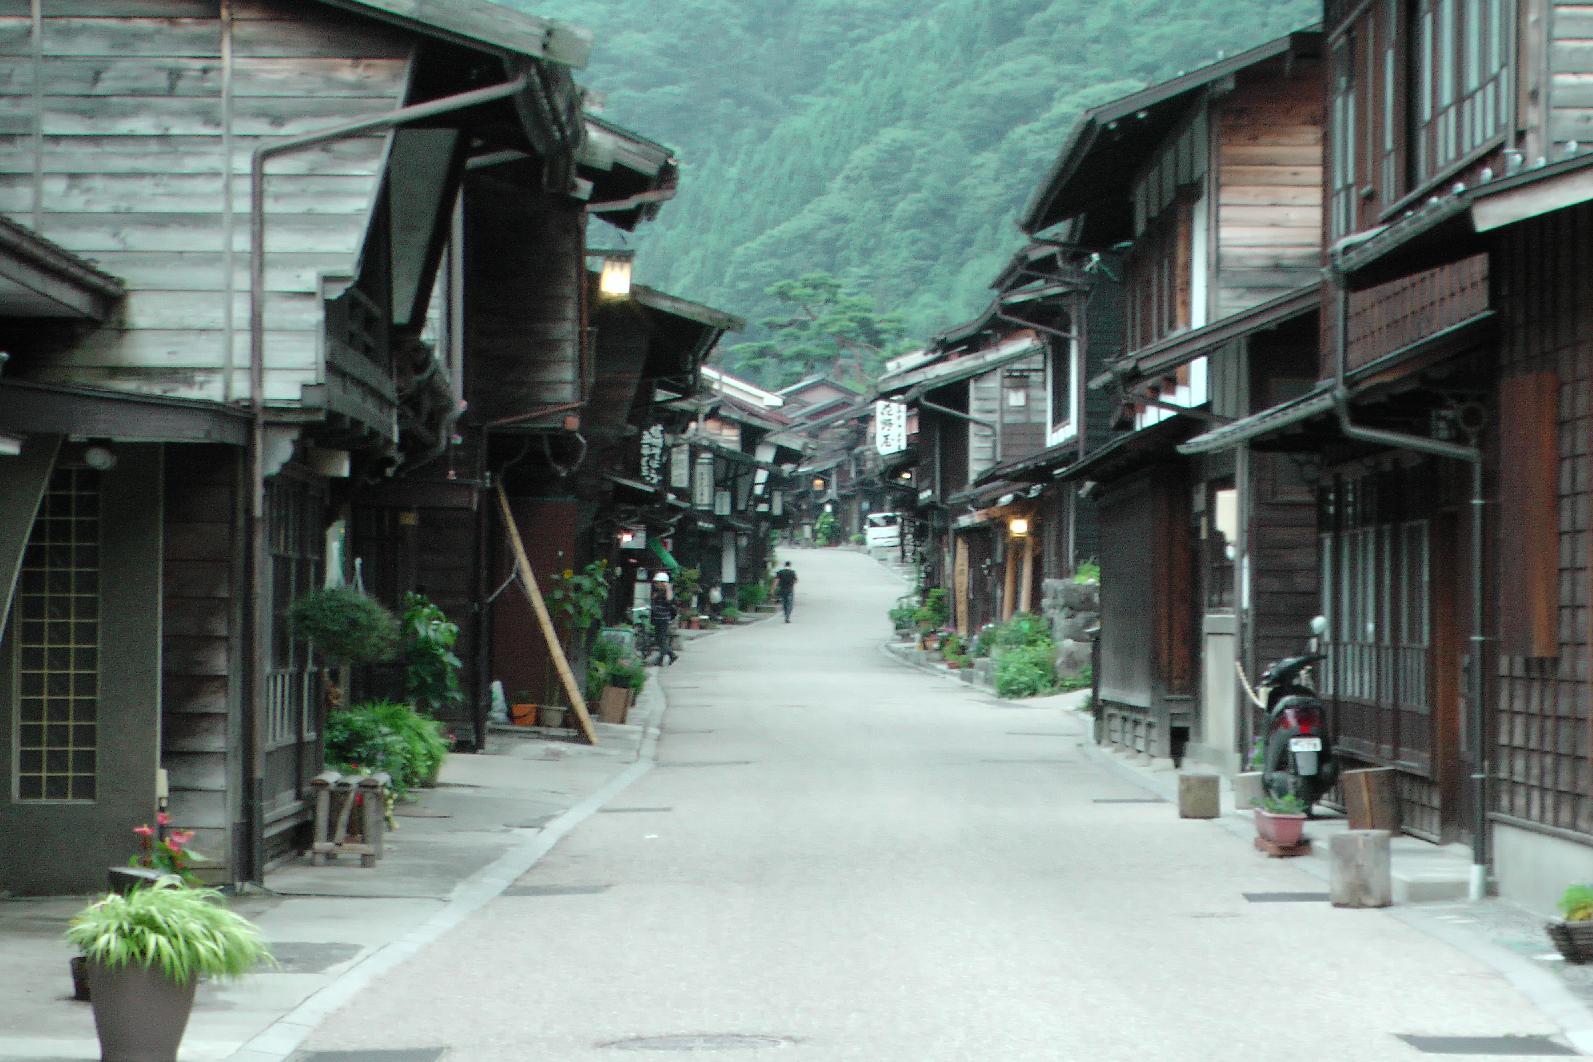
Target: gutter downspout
(995, 433)
(1476, 731)
(260, 619)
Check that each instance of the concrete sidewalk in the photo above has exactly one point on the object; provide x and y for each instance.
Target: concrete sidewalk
(1429, 880)
(335, 928)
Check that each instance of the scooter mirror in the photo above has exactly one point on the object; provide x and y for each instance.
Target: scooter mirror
(1319, 625)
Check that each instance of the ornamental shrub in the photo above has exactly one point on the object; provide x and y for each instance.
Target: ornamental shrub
(385, 736)
(750, 596)
(1024, 671)
(345, 624)
(431, 669)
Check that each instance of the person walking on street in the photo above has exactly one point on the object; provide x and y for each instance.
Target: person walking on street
(785, 588)
(661, 610)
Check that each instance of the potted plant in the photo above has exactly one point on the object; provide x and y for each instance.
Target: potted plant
(1247, 787)
(731, 615)
(145, 952)
(345, 626)
(523, 710)
(1280, 820)
(551, 716)
(1573, 937)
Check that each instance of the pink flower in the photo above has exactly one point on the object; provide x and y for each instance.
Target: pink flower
(181, 837)
(162, 818)
(144, 831)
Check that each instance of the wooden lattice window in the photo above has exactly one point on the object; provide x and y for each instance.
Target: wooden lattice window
(56, 641)
(295, 539)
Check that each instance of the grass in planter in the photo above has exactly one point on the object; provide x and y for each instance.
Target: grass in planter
(184, 932)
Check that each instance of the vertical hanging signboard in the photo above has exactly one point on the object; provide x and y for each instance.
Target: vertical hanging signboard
(890, 427)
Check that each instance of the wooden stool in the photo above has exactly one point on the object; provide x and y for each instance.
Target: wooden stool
(335, 798)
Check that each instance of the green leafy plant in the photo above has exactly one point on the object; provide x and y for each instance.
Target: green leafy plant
(751, 596)
(611, 665)
(580, 597)
(935, 611)
(825, 530)
(1024, 629)
(1087, 572)
(182, 931)
(858, 540)
(1025, 671)
(1082, 681)
(1576, 903)
(1288, 804)
(1258, 754)
(951, 647)
(730, 614)
(385, 736)
(166, 850)
(431, 668)
(346, 625)
(688, 584)
(902, 617)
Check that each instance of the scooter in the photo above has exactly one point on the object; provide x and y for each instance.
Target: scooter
(1297, 758)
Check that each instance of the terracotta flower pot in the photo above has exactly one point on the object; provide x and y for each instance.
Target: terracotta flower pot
(140, 1014)
(523, 714)
(1279, 828)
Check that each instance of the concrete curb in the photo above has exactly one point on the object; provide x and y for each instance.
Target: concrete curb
(1541, 988)
(282, 1038)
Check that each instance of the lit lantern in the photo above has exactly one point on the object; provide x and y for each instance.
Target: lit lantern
(616, 276)
(1019, 526)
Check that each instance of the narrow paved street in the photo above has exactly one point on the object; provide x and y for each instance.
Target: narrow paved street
(869, 863)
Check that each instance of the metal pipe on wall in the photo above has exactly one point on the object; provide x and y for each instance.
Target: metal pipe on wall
(1476, 731)
(259, 604)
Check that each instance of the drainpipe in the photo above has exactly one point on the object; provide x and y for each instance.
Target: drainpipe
(1476, 732)
(260, 619)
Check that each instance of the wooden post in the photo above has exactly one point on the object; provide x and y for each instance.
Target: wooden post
(1008, 583)
(1026, 576)
(533, 593)
(1371, 800)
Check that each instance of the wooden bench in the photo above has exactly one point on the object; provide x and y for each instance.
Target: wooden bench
(336, 796)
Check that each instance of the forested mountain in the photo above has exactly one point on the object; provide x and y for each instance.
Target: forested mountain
(888, 142)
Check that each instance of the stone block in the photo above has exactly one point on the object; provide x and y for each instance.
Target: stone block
(1361, 874)
(1082, 597)
(1072, 658)
(1198, 796)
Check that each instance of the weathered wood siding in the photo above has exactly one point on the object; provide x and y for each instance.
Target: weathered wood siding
(1543, 289)
(984, 403)
(1023, 427)
(126, 132)
(1569, 115)
(201, 658)
(523, 278)
(1268, 217)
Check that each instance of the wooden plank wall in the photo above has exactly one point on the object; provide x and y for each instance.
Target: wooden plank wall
(984, 402)
(1570, 61)
(1268, 219)
(1543, 288)
(125, 136)
(522, 288)
(201, 647)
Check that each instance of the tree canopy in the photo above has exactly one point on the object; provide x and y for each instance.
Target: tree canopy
(887, 143)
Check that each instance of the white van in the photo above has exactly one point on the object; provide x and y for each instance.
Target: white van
(884, 531)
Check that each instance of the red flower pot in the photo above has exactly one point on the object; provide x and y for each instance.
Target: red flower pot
(1278, 827)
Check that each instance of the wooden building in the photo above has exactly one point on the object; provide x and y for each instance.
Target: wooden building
(1209, 186)
(260, 309)
(1446, 431)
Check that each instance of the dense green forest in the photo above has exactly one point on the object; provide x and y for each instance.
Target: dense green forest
(887, 142)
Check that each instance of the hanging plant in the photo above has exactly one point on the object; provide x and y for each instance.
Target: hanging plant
(345, 625)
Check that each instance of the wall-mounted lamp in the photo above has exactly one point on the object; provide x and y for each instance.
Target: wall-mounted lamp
(1018, 526)
(828, 507)
(616, 276)
(100, 458)
(818, 482)
(907, 476)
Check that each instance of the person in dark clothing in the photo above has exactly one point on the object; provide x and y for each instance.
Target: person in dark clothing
(661, 610)
(785, 588)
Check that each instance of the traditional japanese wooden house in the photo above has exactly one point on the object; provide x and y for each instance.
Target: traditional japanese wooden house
(1202, 191)
(295, 201)
(1449, 422)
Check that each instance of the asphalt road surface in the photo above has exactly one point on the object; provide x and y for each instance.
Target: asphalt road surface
(839, 858)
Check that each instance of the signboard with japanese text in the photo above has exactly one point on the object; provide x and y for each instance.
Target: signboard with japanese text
(890, 427)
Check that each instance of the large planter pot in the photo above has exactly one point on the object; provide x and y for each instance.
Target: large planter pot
(1573, 940)
(551, 715)
(1279, 828)
(523, 714)
(139, 1013)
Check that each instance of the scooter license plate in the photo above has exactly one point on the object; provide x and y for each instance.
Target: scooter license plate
(1305, 744)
